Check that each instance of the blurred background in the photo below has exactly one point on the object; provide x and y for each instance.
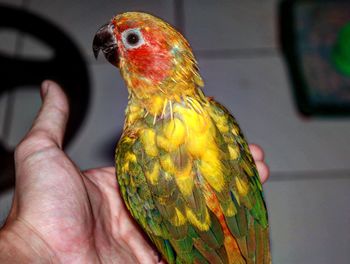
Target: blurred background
(237, 46)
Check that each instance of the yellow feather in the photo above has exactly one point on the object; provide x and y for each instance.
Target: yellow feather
(184, 180)
(174, 135)
(130, 157)
(235, 131)
(149, 143)
(125, 167)
(194, 121)
(233, 152)
(175, 130)
(156, 105)
(134, 112)
(178, 219)
(167, 164)
(212, 174)
(154, 174)
(197, 145)
(230, 210)
(242, 186)
(220, 122)
(210, 168)
(202, 226)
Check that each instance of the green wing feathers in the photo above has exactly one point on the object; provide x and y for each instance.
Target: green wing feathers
(250, 224)
(191, 183)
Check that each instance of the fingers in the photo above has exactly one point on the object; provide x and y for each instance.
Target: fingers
(264, 171)
(258, 156)
(50, 124)
(257, 152)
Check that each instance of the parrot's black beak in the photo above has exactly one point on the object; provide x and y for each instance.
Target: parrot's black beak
(105, 40)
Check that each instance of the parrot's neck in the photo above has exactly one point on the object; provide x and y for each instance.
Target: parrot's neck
(155, 92)
(154, 96)
(154, 102)
(157, 106)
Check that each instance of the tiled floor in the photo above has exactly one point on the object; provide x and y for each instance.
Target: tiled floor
(236, 42)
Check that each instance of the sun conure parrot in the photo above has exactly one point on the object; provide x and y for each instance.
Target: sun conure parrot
(183, 166)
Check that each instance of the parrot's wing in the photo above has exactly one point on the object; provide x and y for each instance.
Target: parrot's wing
(137, 194)
(191, 183)
(250, 224)
(154, 200)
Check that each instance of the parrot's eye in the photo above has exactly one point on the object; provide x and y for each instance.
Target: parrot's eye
(132, 38)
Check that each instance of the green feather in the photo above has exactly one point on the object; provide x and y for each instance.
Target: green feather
(214, 237)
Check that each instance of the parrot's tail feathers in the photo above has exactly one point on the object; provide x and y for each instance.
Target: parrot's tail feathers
(262, 254)
(267, 252)
(255, 245)
(242, 243)
(251, 243)
(234, 256)
(210, 254)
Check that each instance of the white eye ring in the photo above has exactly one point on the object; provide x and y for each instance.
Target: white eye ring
(132, 38)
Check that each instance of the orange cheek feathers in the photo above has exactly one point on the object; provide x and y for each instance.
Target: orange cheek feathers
(151, 61)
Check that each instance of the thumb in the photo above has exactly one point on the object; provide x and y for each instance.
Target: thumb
(53, 115)
(50, 124)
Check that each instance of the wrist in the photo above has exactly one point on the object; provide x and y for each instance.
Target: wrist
(20, 244)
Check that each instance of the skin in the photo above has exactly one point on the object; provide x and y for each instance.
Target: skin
(61, 214)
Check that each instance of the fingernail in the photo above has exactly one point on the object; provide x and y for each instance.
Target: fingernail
(44, 89)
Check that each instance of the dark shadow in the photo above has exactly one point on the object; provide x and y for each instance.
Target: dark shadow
(67, 67)
(107, 149)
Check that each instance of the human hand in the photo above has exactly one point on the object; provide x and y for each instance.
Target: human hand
(259, 158)
(61, 214)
